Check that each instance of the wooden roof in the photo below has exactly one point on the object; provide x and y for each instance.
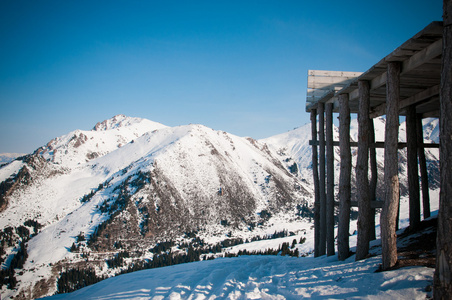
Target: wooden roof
(420, 75)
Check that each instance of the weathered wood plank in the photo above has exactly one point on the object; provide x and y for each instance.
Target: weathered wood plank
(322, 85)
(314, 81)
(333, 73)
(325, 96)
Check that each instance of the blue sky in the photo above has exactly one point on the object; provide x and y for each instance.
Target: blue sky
(237, 66)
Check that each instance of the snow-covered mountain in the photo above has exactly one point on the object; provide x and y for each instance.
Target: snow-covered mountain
(80, 146)
(130, 183)
(132, 194)
(9, 157)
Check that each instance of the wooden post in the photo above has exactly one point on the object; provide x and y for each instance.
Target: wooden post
(315, 173)
(362, 172)
(391, 179)
(322, 237)
(413, 172)
(330, 180)
(422, 167)
(343, 247)
(373, 177)
(442, 285)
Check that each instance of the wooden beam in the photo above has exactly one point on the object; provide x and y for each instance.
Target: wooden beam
(344, 179)
(373, 176)
(413, 172)
(315, 174)
(353, 95)
(391, 179)
(319, 82)
(424, 56)
(419, 58)
(422, 167)
(419, 97)
(378, 144)
(425, 94)
(362, 173)
(431, 114)
(333, 73)
(378, 81)
(373, 204)
(329, 180)
(322, 183)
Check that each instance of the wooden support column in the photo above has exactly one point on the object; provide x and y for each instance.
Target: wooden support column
(315, 173)
(322, 183)
(373, 177)
(391, 179)
(329, 180)
(442, 284)
(413, 171)
(362, 172)
(343, 233)
(422, 167)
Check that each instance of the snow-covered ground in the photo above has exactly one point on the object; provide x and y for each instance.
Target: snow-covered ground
(265, 277)
(272, 277)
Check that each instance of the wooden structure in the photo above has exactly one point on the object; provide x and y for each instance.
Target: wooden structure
(405, 82)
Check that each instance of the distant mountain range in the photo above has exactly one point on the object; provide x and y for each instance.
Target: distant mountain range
(9, 157)
(132, 194)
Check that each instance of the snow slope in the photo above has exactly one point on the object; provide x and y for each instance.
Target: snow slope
(264, 277)
(273, 277)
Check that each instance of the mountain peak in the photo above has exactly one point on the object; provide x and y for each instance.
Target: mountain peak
(117, 121)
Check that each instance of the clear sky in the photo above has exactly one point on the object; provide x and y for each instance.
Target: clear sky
(237, 66)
